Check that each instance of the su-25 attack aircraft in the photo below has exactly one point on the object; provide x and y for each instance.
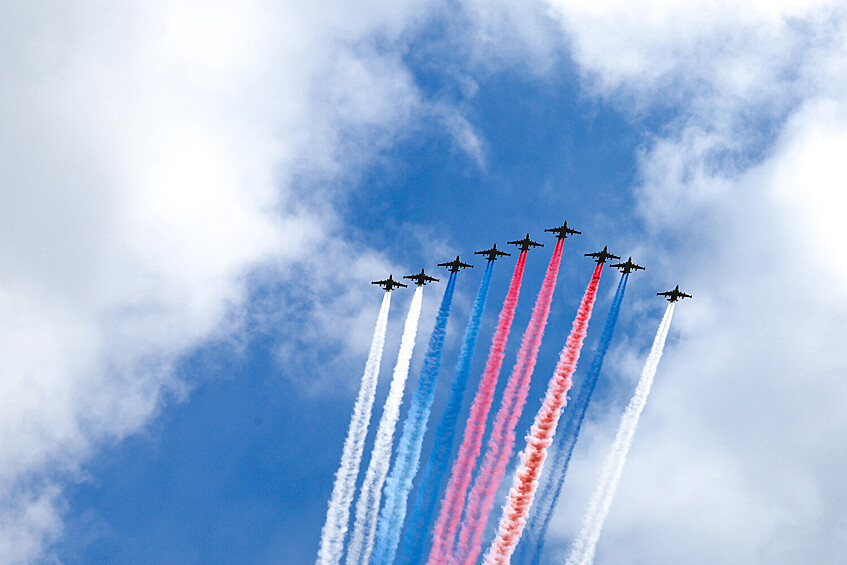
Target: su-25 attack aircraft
(388, 284)
(674, 295)
(563, 231)
(491, 254)
(421, 278)
(628, 266)
(602, 255)
(454, 265)
(525, 243)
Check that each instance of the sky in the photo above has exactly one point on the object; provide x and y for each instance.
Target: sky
(196, 196)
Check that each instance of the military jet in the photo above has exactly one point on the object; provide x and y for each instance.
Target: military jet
(563, 231)
(389, 284)
(601, 256)
(455, 265)
(421, 278)
(525, 243)
(628, 266)
(492, 254)
(674, 295)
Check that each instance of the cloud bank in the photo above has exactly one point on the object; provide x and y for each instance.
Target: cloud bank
(739, 192)
(154, 154)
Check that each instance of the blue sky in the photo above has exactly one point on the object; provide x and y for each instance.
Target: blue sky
(226, 464)
(197, 197)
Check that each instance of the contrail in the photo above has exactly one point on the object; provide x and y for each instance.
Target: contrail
(460, 476)
(338, 514)
(501, 442)
(585, 544)
(531, 545)
(541, 434)
(436, 467)
(399, 481)
(367, 507)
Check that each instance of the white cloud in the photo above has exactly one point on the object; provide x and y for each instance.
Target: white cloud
(726, 51)
(464, 134)
(153, 155)
(742, 196)
(498, 33)
(809, 180)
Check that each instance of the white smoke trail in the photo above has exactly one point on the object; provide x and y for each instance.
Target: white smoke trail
(338, 514)
(367, 507)
(585, 544)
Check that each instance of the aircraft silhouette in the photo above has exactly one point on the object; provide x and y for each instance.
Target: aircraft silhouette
(628, 266)
(563, 231)
(601, 256)
(421, 278)
(492, 254)
(454, 265)
(388, 284)
(674, 295)
(525, 243)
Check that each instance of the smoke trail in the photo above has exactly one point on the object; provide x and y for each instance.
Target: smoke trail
(501, 443)
(335, 527)
(460, 477)
(399, 481)
(541, 434)
(532, 543)
(585, 544)
(445, 432)
(361, 543)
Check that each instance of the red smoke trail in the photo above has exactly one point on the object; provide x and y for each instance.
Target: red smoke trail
(541, 435)
(460, 477)
(501, 443)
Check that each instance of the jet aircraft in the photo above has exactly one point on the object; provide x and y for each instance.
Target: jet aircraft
(421, 278)
(601, 256)
(563, 231)
(525, 243)
(628, 266)
(388, 284)
(492, 254)
(455, 265)
(674, 295)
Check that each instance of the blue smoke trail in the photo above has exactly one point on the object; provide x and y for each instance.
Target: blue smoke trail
(399, 481)
(438, 463)
(532, 542)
